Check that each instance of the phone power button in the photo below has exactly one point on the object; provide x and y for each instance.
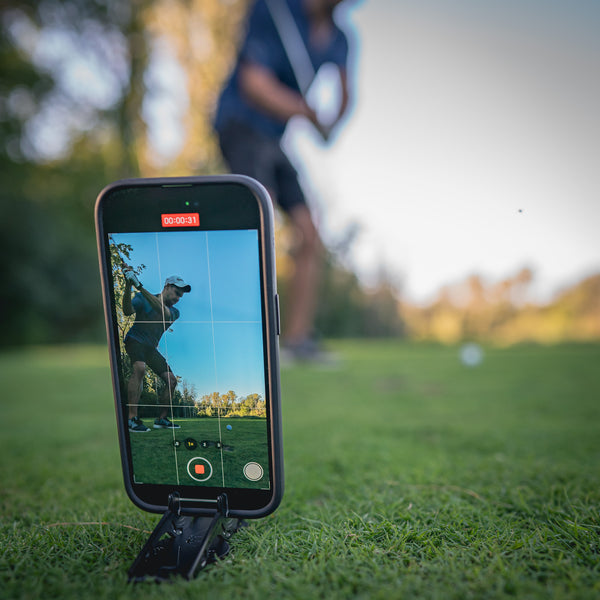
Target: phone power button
(277, 315)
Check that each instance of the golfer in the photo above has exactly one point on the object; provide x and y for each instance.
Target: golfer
(260, 97)
(154, 314)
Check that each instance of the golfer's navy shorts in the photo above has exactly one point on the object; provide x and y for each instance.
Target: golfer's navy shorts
(139, 352)
(251, 153)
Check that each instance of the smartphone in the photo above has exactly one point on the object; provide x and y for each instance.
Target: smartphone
(192, 314)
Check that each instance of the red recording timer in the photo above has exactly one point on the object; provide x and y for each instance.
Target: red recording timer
(180, 220)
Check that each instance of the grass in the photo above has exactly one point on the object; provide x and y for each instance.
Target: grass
(407, 475)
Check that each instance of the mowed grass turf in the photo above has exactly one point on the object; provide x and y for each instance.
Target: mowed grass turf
(408, 475)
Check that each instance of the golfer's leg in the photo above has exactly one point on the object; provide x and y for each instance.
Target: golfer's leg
(134, 387)
(303, 297)
(166, 394)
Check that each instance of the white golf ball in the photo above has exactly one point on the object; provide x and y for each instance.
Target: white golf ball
(471, 355)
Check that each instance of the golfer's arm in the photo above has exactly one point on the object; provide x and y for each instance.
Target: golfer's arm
(127, 306)
(264, 90)
(156, 304)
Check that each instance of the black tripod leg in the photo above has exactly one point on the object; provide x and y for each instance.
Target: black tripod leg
(183, 545)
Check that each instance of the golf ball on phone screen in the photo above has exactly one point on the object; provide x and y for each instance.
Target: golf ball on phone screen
(229, 427)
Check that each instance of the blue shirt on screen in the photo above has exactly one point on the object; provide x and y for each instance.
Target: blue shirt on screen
(149, 325)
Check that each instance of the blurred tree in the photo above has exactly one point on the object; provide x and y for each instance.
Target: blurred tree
(187, 400)
(349, 309)
(202, 38)
(504, 313)
(70, 106)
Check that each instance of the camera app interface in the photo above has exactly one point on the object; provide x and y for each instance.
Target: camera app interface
(192, 376)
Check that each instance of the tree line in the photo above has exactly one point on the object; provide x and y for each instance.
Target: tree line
(504, 312)
(230, 405)
(187, 405)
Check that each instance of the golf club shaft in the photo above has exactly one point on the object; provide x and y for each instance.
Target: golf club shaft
(293, 44)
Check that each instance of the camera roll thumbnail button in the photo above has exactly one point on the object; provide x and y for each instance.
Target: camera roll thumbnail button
(253, 471)
(199, 469)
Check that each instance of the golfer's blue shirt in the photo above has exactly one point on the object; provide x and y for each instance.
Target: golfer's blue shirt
(262, 46)
(149, 325)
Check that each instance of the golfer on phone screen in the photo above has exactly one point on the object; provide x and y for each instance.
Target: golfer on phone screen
(154, 314)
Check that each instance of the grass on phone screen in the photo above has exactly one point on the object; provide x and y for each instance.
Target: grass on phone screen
(163, 456)
(408, 475)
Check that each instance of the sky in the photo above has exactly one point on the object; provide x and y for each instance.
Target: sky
(216, 344)
(473, 144)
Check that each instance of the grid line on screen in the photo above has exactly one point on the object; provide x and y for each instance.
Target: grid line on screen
(170, 406)
(212, 324)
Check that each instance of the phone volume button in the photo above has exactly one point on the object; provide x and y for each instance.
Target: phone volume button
(277, 315)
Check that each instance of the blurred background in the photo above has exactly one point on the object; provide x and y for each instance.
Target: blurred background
(459, 200)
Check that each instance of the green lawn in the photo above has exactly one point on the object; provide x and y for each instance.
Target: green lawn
(408, 475)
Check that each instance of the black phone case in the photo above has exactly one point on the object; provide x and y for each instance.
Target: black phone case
(267, 258)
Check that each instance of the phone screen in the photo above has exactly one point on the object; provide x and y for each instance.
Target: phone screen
(187, 296)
